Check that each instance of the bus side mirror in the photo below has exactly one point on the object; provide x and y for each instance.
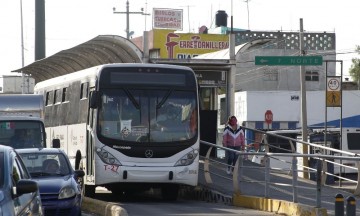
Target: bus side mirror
(56, 143)
(94, 100)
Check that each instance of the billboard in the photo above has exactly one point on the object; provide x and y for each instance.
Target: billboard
(167, 18)
(187, 45)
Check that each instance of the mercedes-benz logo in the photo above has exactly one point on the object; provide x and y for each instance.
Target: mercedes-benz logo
(149, 153)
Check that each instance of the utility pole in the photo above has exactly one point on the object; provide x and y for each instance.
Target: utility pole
(303, 101)
(230, 88)
(22, 49)
(127, 12)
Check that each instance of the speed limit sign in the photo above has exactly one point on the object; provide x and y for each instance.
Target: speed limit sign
(333, 83)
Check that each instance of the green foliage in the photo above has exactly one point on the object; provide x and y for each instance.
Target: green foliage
(354, 70)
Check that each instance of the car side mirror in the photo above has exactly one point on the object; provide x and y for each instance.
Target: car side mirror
(79, 173)
(56, 143)
(25, 186)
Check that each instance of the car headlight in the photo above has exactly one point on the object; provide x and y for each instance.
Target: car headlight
(67, 192)
(188, 158)
(106, 157)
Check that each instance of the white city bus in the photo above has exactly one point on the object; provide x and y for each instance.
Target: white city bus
(129, 126)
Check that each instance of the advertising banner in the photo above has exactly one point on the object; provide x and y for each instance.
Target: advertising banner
(167, 18)
(187, 45)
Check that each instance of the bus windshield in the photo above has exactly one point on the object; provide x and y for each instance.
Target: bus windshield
(147, 115)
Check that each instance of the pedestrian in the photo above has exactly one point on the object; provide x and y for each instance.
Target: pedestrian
(233, 138)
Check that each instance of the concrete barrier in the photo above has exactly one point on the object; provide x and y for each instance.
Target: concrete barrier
(102, 208)
(277, 206)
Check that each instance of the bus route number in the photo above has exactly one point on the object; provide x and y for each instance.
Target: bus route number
(113, 168)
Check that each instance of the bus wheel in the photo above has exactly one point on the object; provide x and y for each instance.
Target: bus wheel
(89, 190)
(170, 192)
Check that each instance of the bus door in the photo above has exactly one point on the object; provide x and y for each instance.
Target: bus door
(90, 140)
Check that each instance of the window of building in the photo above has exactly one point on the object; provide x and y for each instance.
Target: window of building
(270, 75)
(312, 76)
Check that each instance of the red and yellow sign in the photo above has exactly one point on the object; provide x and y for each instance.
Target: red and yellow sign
(187, 45)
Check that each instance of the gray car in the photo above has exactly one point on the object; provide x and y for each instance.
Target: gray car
(19, 195)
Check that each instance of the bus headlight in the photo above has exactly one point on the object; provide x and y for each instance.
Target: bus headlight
(106, 157)
(188, 158)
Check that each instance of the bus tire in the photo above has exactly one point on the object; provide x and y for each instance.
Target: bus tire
(77, 160)
(170, 192)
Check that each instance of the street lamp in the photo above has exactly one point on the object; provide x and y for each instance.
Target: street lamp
(127, 12)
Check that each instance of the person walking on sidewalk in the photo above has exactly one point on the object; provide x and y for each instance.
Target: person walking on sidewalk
(233, 138)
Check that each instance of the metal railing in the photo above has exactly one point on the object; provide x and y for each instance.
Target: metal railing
(320, 171)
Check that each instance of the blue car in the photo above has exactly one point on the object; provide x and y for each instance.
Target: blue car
(19, 195)
(60, 191)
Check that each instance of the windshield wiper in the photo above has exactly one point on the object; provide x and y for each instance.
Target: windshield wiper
(132, 99)
(164, 99)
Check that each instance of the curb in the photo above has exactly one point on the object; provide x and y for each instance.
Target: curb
(277, 206)
(281, 207)
(102, 208)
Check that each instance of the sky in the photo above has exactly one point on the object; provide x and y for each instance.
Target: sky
(72, 22)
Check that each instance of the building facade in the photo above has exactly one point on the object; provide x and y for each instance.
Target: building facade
(16, 85)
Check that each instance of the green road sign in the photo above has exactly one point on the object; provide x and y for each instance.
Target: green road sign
(288, 60)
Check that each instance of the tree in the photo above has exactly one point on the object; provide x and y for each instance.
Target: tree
(354, 70)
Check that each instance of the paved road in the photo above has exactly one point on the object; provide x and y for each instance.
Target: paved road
(151, 204)
(206, 204)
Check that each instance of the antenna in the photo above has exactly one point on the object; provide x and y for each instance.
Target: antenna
(248, 13)
(188, 8)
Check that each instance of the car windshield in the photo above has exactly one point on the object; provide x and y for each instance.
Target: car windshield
(42, 164)
(1, 169)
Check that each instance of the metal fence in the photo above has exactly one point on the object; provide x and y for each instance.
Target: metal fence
(319, 171)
